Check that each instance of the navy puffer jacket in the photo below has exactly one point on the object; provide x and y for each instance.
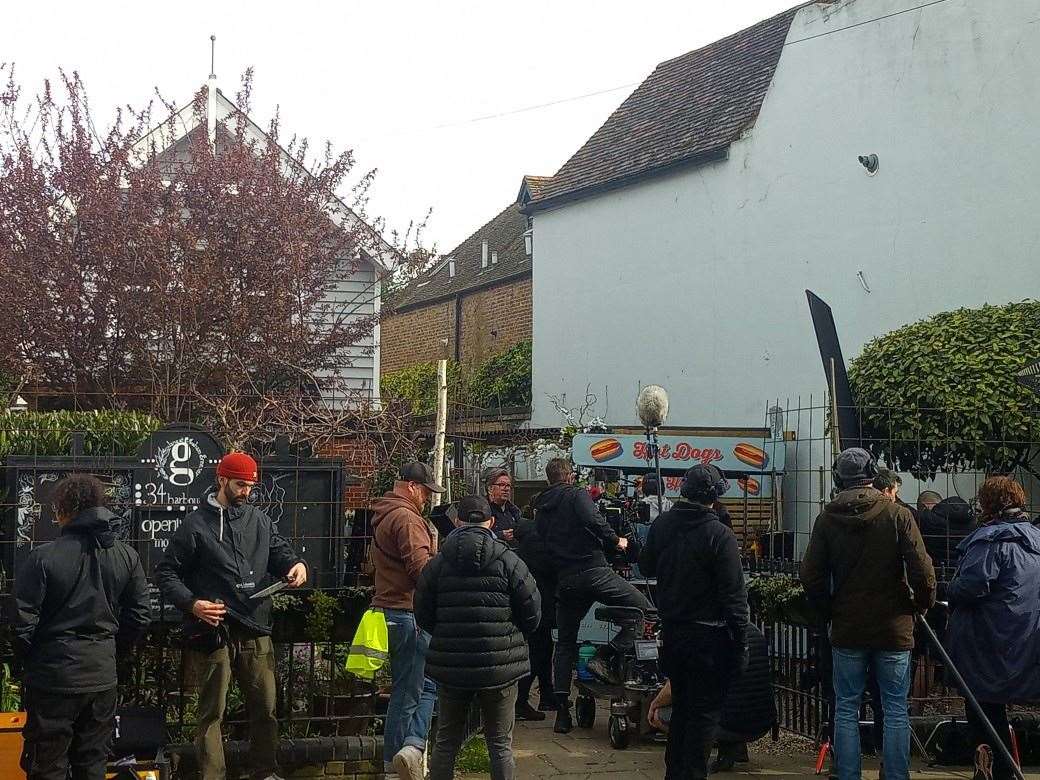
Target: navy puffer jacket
(994, 631)
(477, 599)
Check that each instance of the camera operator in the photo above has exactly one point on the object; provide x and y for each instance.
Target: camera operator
(704, 615)
(577, 537)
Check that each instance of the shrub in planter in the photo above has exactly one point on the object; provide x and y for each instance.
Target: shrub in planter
(780, 598)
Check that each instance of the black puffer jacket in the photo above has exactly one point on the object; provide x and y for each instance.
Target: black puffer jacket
(225, 554)
(749, 710)
(696, 560)
(77, 599)
(477, 599)
(944, 526)
(575, 533)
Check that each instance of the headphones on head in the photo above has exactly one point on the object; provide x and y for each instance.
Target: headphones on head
(871, 470)
(707, 490)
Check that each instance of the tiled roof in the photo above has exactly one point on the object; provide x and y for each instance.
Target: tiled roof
(504, 234)
(690, 107)
(536, 185)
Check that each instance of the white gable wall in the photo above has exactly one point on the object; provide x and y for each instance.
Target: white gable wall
(696, 280)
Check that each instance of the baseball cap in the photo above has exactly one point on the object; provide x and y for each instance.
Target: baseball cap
(414, 471)
(471, 509)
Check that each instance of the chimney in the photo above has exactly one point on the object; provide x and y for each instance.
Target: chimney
(484, 253)
(494, 258)
(451, 268)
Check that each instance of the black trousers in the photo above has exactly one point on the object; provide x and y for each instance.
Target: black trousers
(997, 714)
(540, 649)
(575, 595)
(67, 731)
(699, 662)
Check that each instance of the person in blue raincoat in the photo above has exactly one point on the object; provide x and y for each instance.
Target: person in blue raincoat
(994, 630)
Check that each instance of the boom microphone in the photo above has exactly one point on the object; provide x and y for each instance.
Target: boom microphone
(652, 406)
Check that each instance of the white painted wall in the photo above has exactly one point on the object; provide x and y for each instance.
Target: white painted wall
(696, 280)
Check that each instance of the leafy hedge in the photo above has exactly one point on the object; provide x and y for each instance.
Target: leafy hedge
(50, 433)
(502, 380)
(941, 394)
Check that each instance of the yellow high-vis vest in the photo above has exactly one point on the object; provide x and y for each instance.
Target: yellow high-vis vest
(371, 646)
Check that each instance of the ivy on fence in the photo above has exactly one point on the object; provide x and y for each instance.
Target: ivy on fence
(503, 380)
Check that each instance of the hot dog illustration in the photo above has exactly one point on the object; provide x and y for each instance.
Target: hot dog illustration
(749, 485)
(605, 449)
(751, 455)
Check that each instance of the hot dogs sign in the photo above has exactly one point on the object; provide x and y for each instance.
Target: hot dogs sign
(631, 452)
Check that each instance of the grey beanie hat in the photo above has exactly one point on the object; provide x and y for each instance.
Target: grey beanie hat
(854, 467)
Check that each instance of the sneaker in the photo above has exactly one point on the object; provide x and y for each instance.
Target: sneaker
(564, 723)
(524, 711)
(983, 763)
(409, 763)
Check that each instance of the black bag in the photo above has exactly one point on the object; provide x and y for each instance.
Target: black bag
(139, 732)
(951, 744)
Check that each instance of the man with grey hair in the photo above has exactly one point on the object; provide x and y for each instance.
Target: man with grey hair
(498, 487)
(867, 568)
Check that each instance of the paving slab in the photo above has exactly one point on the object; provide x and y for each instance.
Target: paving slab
(586, 754)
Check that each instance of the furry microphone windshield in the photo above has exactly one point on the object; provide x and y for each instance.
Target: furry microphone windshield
(652, 406)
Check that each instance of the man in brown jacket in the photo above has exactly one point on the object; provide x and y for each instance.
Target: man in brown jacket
(867, 566)
(403, 542)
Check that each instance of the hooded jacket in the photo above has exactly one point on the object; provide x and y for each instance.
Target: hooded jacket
(994, 630)
(866, 566)
(477, 599)
(944, 526)
(403, 542)
(696, 560)
(574, 531)
(79, 599)
(226, 554)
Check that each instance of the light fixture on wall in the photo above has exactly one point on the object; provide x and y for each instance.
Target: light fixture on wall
(528, 242)
(870, 162)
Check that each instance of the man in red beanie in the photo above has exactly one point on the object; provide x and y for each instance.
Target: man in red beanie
(221, 554)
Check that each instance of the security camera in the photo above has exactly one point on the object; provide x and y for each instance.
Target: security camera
(870, 162)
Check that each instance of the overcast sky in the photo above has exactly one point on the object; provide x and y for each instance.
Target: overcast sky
(404, 84)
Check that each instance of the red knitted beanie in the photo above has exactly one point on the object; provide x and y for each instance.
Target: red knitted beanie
(237, 465)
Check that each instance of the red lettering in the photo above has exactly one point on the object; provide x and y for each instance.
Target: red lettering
(640, 451)
(673, 483)
(708, 456)
(682, 451)
(664, 451)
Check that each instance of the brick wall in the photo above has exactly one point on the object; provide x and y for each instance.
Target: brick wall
(493, 320)
(416, 336)
(358, 458)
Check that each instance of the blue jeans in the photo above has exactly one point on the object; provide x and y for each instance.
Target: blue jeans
(892, 669)
(410, 710)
